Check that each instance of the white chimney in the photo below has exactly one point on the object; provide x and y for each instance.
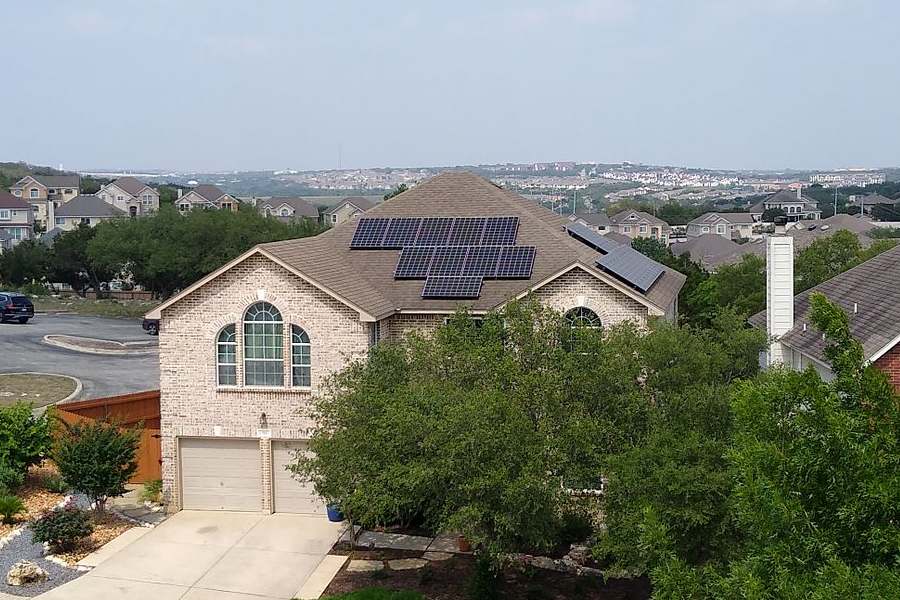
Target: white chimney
(799, 192)
(779, 294)
(180, 192)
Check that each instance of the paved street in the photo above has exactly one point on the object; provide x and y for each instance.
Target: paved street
(21, 349)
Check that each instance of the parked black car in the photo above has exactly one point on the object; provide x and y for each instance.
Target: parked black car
(15, 307)
(151, 326)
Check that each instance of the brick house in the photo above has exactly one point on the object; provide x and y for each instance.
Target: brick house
(243, 350)
(728, 225)
(130, 195)
(347, 209)
(87, 210)
(870, 295)
(638, 224)
(287, 209)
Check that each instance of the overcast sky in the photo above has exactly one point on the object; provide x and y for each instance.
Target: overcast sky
(221, 85)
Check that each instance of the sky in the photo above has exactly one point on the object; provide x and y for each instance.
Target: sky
(217, 85)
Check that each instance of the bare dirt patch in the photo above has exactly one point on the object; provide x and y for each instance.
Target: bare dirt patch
(39, 390)
(107, 527)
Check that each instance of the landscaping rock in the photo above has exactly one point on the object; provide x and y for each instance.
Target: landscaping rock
(407, 564)
(580, 554)
(25, 572)
(365, 566)
(437, 556)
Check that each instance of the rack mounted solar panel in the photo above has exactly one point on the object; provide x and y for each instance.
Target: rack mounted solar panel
(414, 262)
(452, 287)
(466, 231)
(369, 233)
(448, 260)
(500, 231)
(516, 262)
(402, 231)
(632, 267)
(434, 231)
(588, 236)
(482, 261)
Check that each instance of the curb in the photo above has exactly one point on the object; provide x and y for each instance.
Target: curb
(79, 388)
(50, 340)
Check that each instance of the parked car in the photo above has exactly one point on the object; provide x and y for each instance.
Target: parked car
(151, 326)
(15, 307)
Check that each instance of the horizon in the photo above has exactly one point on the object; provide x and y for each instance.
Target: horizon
(778, 86)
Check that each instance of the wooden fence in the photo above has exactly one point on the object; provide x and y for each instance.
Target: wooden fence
(129, 410)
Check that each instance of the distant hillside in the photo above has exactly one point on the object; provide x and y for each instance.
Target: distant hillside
(11, 172)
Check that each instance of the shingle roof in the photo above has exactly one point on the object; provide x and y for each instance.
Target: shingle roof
(822, 228)
(706, 249)
(873, 286)
(365, 277)
(55, 181)
(363, 204)
(870, 199)
(621, 218)
(88, 206)
(7, 200)
(736, 218)
(130, 184)
(209, 192)
(592, 218)
(302, 207)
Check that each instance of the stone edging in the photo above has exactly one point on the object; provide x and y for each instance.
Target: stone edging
(52, 340)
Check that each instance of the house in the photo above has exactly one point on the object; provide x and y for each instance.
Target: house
(243, 350)
(638, 224)
(209, 197)
(131, 196)
(866, 202)
(45, 193)
(869, 293)
(16, 220)
(287, 209)
(87, 210)
(795, 205)
(707, 249)
(728, 225)
(346, 209)
(599, 222)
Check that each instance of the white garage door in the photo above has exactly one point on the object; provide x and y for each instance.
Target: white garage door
(292, 496)
(221, 474)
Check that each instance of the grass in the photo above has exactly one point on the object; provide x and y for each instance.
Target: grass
(130, 309)
(39, 390)
(377, 594)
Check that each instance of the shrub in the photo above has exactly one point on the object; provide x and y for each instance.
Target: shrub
(10, 506)
(10, 479)
(97, 459)
(62, 528)
(152, 491)
(24, 441)
(55, 484)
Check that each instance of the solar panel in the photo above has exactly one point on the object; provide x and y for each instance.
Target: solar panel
(401, 232)
(632, 267)
(500, 231)
(434, 231)
(448, 260)
(588, 236)
(414, 262)
(482, 260)
(516, 262)
(369, 233)
(452, 287)
(466, 232)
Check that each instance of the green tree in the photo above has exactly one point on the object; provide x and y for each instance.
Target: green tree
(24, 441)
(70, 262)
(396, 191)
(830, 256)
(682, 263)
(96, 458)
(740, 287)
(28, 261)
(770, 214)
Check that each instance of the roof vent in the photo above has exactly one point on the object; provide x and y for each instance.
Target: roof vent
(855, 308)
(804, 327)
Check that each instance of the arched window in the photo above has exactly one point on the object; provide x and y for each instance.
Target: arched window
(226, 356)
(583, 317)
(263, 350)
(300, 357)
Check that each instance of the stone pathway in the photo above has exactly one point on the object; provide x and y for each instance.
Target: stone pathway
(131, 506)
(439, 548)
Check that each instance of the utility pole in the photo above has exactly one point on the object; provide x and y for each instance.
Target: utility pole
(835, 200)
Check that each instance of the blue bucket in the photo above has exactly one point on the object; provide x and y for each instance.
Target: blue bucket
(334, 513)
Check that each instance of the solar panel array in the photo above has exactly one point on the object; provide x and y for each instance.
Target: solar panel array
(453, 255)
(588, 236)
(631, 266)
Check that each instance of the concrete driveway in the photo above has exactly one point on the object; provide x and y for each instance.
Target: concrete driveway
(200, 555)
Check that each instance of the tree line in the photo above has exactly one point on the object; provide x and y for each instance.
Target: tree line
(163, 252)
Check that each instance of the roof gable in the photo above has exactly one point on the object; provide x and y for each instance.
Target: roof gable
(7, 200)
(131, 186)
(88, 206)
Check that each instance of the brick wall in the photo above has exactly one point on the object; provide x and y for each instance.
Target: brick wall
(890, 364)
(578, 288)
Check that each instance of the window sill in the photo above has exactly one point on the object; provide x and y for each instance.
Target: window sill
(263, 388)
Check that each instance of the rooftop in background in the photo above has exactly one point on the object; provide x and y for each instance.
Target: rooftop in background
(88, 206)
(706, 249)
(55, 181)
(598, 219)
(130, 184)
(731, 217)
(622, 218)
(7, 200)
(363, 204)
(302, 207)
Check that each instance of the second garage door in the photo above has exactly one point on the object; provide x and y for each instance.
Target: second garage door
(221, 474)
(290, 495)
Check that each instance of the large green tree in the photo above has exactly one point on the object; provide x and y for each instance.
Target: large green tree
(28, 261)
(70, 262)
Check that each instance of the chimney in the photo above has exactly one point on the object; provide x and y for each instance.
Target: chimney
(779, 294)
(51, 215)
(799, 192)
(180, 192)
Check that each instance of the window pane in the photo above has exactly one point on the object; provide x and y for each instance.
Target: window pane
(301, 376)
(227, 375)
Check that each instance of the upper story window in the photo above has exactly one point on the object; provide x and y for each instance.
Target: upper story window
(68, 191)
(85, 220)
(285, 212)
(51, 191)
(643, 229)
(300, 357)
(720, 229)
(60, 221)
(627, 228)
(263, 349)
(583, 317)
(120, 198)
(226, 356)
(184, 207)
(146, 199)
(5, 214)
(705, 229)
(34, 192)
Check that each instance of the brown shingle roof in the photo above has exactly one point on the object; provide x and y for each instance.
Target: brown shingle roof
(712, 217)
(363, 204)
(366, 277)
(621, 218)
(706, 248)
(209, 192)
(130, 184)
(56, 181)
(875, 288)
(302, 207)
(88, 206)
(7, 200)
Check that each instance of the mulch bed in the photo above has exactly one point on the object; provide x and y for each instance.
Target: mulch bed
(449, 580)
(107, 527)
(37, 500)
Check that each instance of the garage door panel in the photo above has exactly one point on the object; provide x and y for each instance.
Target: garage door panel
(290, 495)
(221, 474)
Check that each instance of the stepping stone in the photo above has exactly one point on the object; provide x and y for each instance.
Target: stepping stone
(437, 556)
(392, 541)
(445, 543)
(365, 566)
(405, 564)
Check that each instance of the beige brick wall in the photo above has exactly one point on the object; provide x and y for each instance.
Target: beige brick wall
(578, 288)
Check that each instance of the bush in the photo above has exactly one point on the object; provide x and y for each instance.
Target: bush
(152, 491)
(97, 459)
(55, 484)
(24, 441)
(10, 506)
(62, 528)
(10, 479)
(378, 594)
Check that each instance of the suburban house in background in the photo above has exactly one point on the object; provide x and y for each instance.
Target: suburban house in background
(16, 220)
(728, 225)
(866, 202)
(46, 192)
(87, 210)
(265, 331)
(206, 197)
(131, 196)
(638, 224)
(346, 209)
(795, 205)
(707, 249)
(599, 222)
(869, 293)
(287, 209)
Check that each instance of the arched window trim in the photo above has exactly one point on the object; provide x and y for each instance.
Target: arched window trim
(263, 345)
(301, 358)
(226, 356)
(582, 316)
